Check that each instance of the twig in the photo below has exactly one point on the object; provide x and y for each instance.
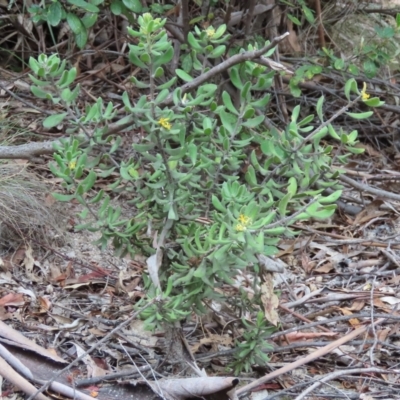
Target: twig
(331, 321)
(291, 217)
(337, 374)
(249, 17)
(15, 96)
(311, 357)
(185, 18)
(326, 123)
(302, 318)
(91, 349)
(97, 379)
(321, 34)
(369, 189)
(230, 62)
(371, 350)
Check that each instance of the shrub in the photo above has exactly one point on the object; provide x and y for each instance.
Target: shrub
(211, 187)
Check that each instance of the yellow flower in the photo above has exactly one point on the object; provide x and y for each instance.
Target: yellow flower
(240, 228)
(244, 222)
(72, 165)
(164, 123)
(364, 94)
(210, 32)
(244, 219)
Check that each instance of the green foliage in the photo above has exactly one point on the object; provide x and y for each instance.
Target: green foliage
(206, 172)
(371, 54)
(252, 348)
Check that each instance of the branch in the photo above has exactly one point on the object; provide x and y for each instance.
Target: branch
(369, 189)
(28, 150)
(230, 62)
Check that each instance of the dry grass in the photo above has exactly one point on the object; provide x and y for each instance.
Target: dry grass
(23, 212)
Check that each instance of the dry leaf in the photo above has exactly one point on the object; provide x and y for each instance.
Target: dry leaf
(269, 299)
(12, 299)
(353, 321)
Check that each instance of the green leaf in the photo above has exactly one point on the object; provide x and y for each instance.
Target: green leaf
(139, 84)
(235, 78)
(84, 5)
(54, 120)
(165, 58)
(295, 113)
(162, 96)
(97, 198)
(81, 37)
(332, 132)
(353, 69)
(226, 98)
(245, 91)
(398, 20)
(217, 204)
(374, 102)
(252, 123)
(250, 176)
(116, 7)
(339, 64)
(350, 86)
(370, 68)
(324, 213)
(89, 181)
(39, 92)
(248, 113)
(292, 188)
(294, 88)
(67, 78)
(89, 20)
(282, 206)
(183, 75)
(217, 52)
(134, 59)
(294, 19)
(133, 5)
(363, 115)
(222, 252)
(193, 42)
(332, 198)
(227, 121)
(34, 65)
(63, 197)
(54, 14)
(168, 84)
(159, 72)
(192, 151)
(319, 108)
(261, 103)
(74, 23)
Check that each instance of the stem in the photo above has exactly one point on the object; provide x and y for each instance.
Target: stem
(326, 123)
(224, 158)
